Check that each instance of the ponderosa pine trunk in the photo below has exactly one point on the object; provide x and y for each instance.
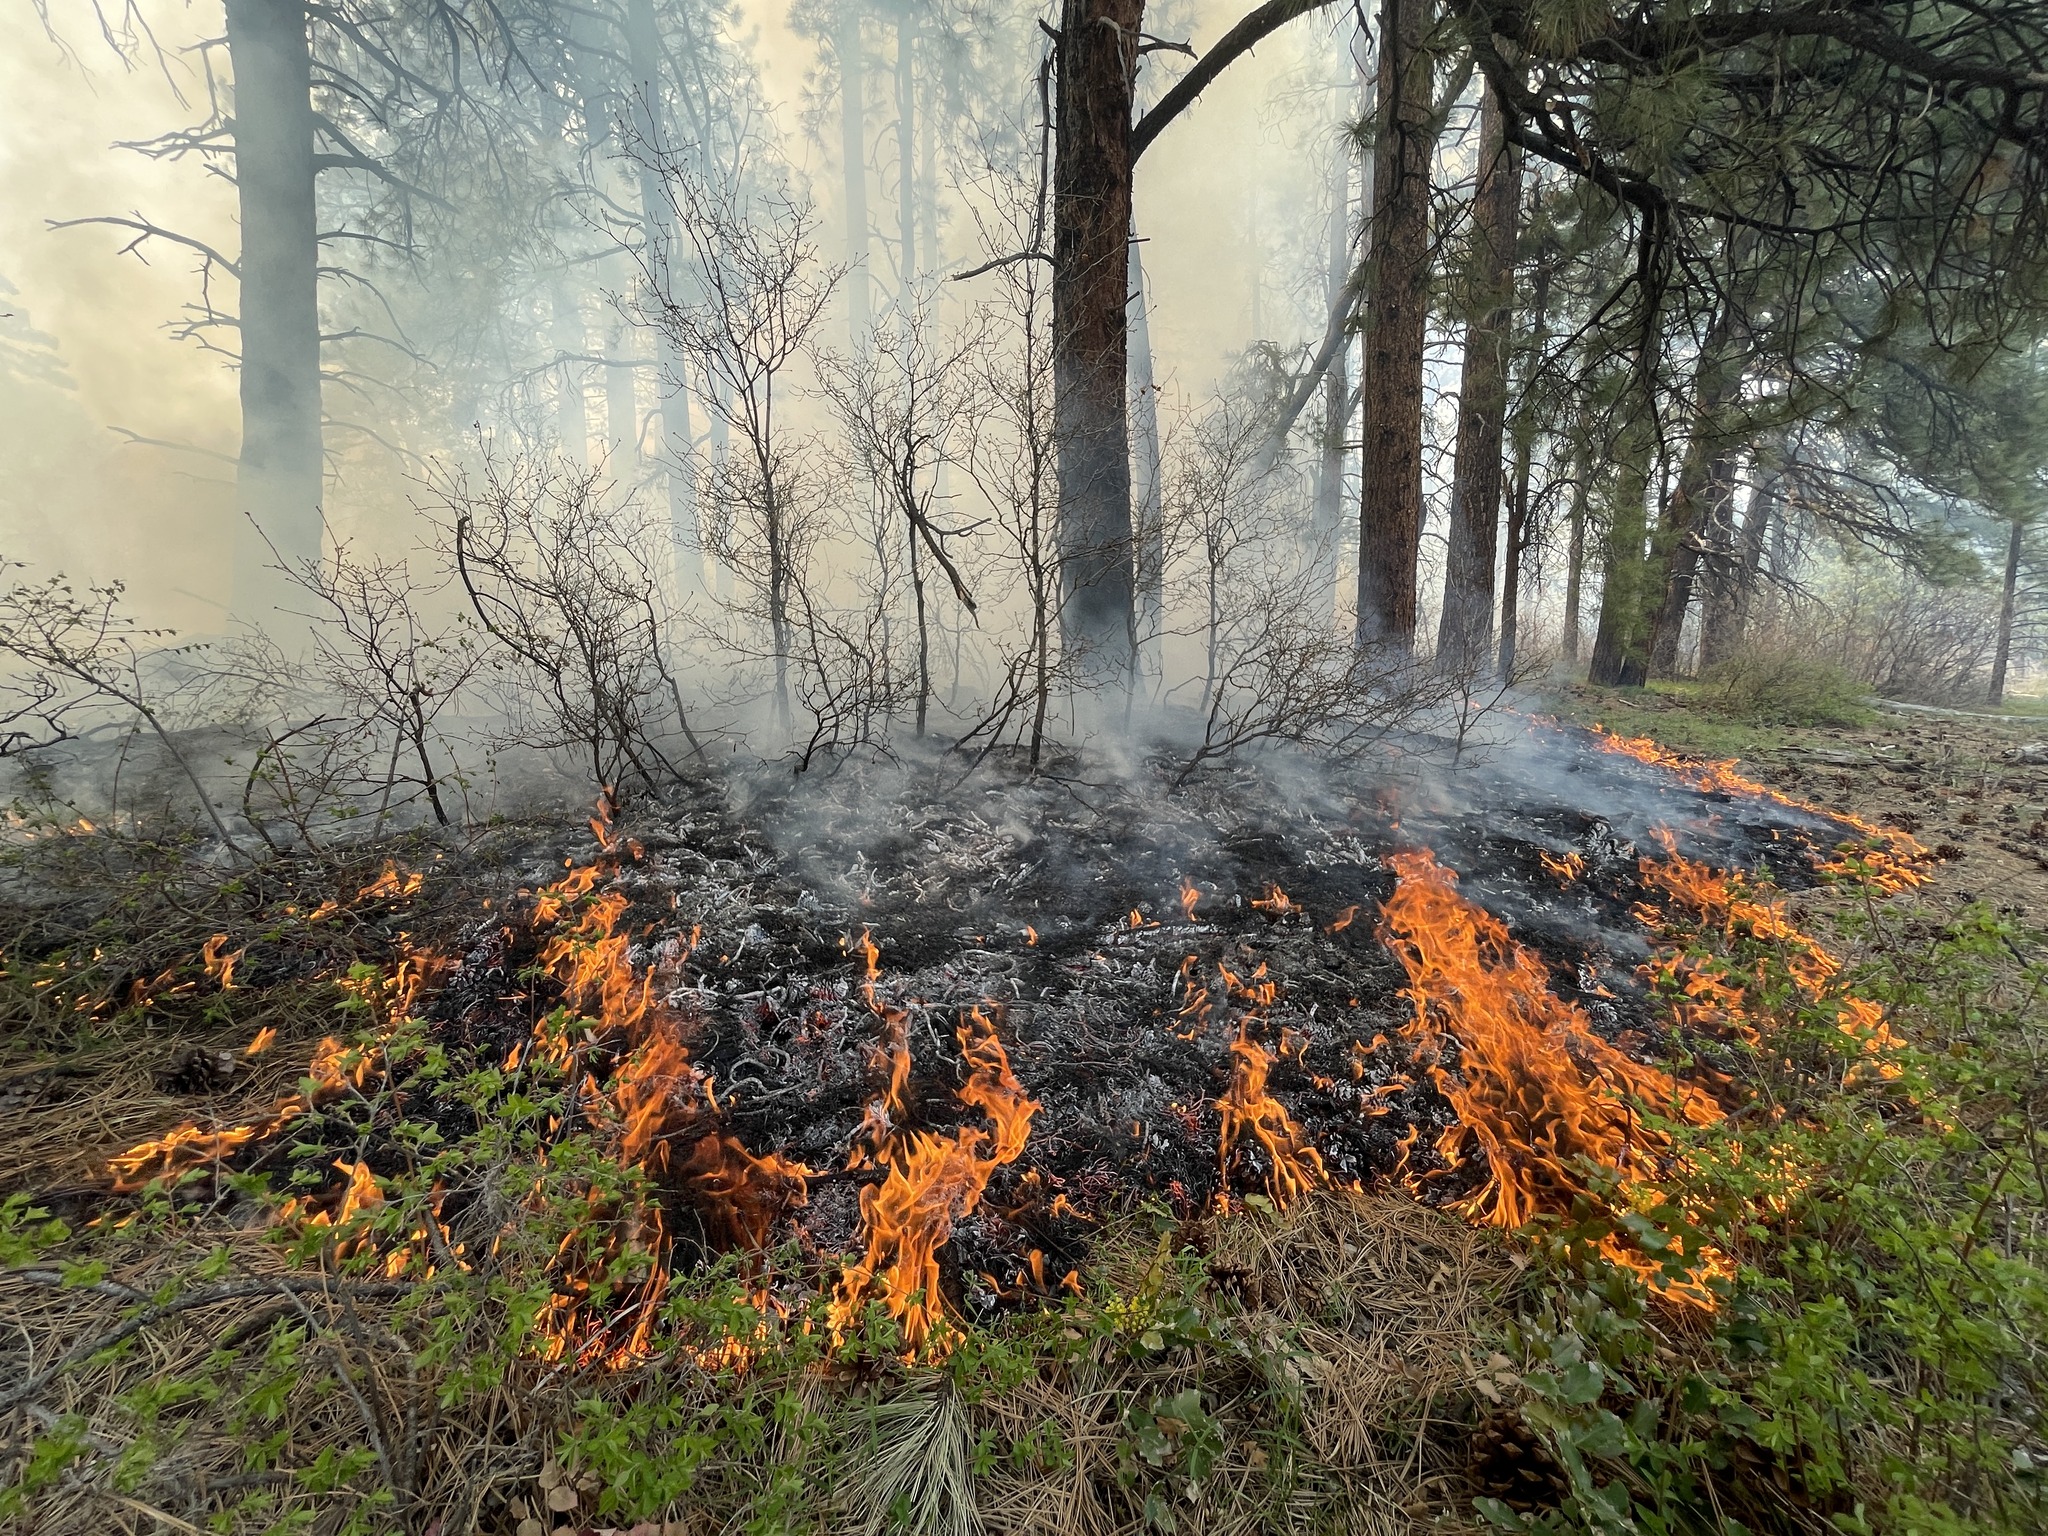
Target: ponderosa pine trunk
(1465, 630)
(1516, 545)
(1390, 503)
(678, 445)
(1098, 56)
(2007, 604)
(278, 474)
(1621, 639)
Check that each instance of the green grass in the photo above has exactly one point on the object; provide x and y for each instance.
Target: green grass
(1675, 715)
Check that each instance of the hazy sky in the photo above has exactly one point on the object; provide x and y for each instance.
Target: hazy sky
(73, 496)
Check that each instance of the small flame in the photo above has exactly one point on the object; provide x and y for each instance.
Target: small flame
(1275, 902)
(220, 966)
(1344, 919)
(1030, 935)
(1189, 897)
(1565, 868)
(392, 884)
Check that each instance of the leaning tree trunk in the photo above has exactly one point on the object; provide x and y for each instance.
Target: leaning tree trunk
(1464, 633)
(277, 479)
(1999, 661)
(1390, 509)
(644, 52)
(1098, 54)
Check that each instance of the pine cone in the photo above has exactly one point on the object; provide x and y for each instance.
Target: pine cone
(200, 1070)
(1508, 1461)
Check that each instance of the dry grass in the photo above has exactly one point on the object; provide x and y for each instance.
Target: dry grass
(1374, 1310)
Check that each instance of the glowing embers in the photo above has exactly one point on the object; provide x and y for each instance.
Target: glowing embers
(1894, 861)
(1534, 1088)
(932, 1181)
(1716, 995)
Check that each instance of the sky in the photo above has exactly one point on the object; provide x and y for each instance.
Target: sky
(85, 334)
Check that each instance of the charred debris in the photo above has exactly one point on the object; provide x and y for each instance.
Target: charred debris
(927, 1035)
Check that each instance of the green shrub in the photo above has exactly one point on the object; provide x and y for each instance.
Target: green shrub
(1781, 687)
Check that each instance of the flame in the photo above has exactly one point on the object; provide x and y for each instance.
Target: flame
(1249, 1112)
(1715, 899)
(1030, 935)
(334, 1069)
(220, 967)
(1344, 919)
(1189, 897)
(1535, 1089)
(607, 814)
(1275, 902)
(391, 885)
(1564, 869)
(1896, 865)
(265, 1038)
(933, 1181)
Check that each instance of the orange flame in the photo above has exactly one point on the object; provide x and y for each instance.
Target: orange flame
(1189, 897)
(1715, 899)
(1344, 919)
(1536, 1090)
(1564, 869)
(932, 1182)
(220, 966)
(1898, 865)
(1275, 902)
(1293, 1167)
(391, 885)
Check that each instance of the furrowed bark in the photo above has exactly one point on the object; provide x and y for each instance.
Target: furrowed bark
(1465, 630)
(278, 474)
(1098, 43)
(1575, 565)
(1390, 511)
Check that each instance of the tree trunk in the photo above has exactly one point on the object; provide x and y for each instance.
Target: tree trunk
(1575, 561)
(1996, 695)
(853, 155)
(678, 446)
(1517, 542)
(1329, 503)
(572, 417)
(1098, 42)
(1148, 488)
(1716, 579)
(278, 476)
(906, 154)
(1390, 510)
(1763, 515)
(1464, 633)
(928, 182)
(1621, 652)
(1716, 386)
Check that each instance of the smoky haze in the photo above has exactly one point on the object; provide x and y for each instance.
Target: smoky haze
(91, 357)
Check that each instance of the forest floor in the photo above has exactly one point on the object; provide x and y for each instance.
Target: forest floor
(1958, 780)
(1831, 1318)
